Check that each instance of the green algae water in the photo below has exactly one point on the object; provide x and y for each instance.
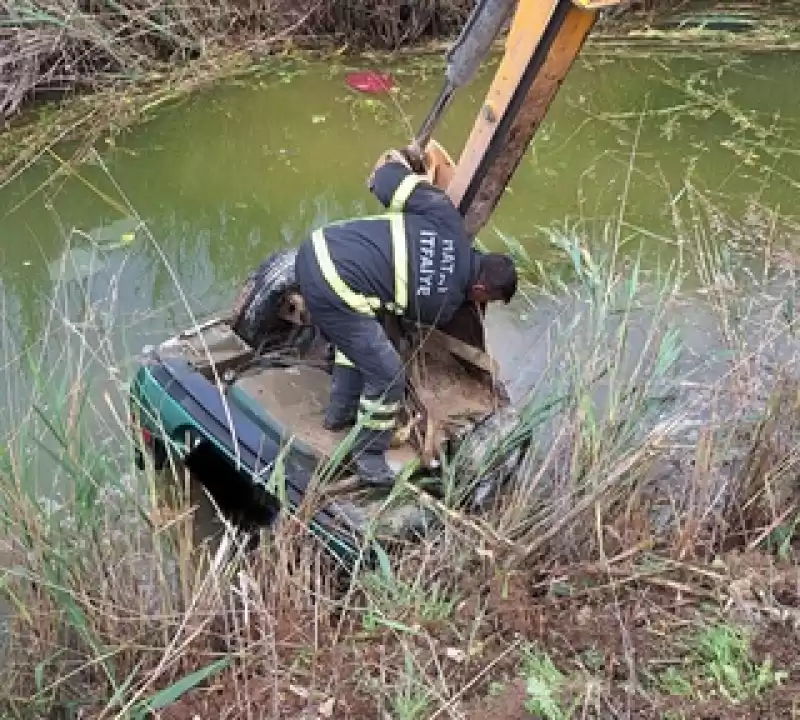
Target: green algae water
(166, 220)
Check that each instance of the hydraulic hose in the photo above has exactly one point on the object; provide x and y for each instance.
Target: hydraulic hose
(465, 57)
(473, 44)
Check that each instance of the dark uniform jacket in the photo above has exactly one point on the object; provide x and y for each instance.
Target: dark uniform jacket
(442, 264)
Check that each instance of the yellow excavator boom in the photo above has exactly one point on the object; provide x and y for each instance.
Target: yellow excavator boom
(544, 39)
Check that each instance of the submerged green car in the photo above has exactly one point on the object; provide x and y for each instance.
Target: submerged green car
(239, 401)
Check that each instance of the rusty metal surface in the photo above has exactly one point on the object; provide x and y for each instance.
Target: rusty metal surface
(565, 49)
(528, 29)
(467, 325)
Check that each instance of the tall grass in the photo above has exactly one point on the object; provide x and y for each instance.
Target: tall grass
(659, 431)
(53, 45)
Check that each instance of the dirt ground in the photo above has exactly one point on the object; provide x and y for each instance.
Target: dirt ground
(641, 630)
(781, 704)
(607, 635)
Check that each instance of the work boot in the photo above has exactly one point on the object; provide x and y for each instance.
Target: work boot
(377, 420)
(339, 417)
(342, 408)
(373, 470)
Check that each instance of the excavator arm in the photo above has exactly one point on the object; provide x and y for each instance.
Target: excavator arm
(544, 39)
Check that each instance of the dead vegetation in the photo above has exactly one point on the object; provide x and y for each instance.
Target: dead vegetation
(121, 61)
(54, 46)
(50, 48)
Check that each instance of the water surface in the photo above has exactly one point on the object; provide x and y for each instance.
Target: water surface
(174, 214)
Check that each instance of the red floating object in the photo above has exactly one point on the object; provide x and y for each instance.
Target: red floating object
(370, 82)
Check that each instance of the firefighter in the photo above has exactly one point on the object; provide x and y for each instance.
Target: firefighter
(417, 262)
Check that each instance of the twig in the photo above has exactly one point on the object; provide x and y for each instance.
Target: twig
(474, 680)
(778, 521)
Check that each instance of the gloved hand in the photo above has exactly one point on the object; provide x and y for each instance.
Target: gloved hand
(402, 433)
(387, 157)
(416, 159)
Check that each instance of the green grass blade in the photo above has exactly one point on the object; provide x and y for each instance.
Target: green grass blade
(383, 561)
(177, 690)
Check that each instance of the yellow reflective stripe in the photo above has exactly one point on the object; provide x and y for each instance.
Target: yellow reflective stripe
(397, 223)
(347, 221)
(340, 358)
(378, 424)
(404, 190)
(360, 303)
(375, 406)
